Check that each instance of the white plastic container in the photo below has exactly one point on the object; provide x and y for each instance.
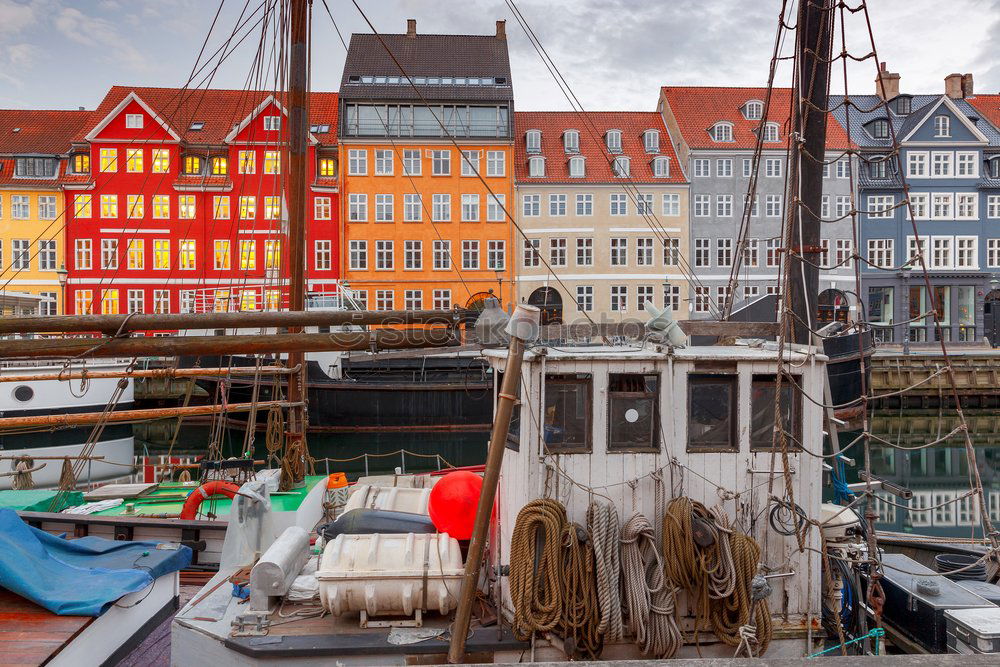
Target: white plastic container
(397, 499)
(390, 575)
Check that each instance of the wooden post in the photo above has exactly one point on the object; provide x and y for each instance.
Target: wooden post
(507, 397)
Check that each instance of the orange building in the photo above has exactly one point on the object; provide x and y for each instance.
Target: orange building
(426, 158)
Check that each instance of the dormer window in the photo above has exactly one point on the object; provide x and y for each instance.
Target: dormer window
(328, 166)
(942, 126)
(533, 141)
(651, 140)
(620, 166)
(571, 141)
(319, 129)
(994, 168)
(37, 167)
(661, 167)
(197, 126)
(272, 123)
(753, 110)
(878, 168)
(220, 166)
(536, 167)
(81, 163)
(192, 164)
(722, 132)
(879, 128)
(771, 132)
(904, 104)
(613, 140)
(577, 167)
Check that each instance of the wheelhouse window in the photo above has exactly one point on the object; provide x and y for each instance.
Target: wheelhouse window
(568, 413)
(763, 389)
(633, 412)
(712, 413)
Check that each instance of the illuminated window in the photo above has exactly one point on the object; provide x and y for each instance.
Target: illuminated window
(220, 166)
(109, 302)
(272, 208)
(272, 299)
(272, 253)
(221, 206)
(248, 207)
(81, 164)
(248, 162)
(221, 304)
(192, 164)
(133, 160)
(136, 206)
(161, 207)
(248, 254)
(136, 254)
(109, 206)
(161, 160)
(248, 300)
(109, 159)
(272, 162)
(187, 253)
(83, 206)
(161, 254)
(222, 259)
(84, 302)
(327, 166)
(185, 207)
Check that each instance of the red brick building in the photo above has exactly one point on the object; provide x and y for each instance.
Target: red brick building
(175, 202)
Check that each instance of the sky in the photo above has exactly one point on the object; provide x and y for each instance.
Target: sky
(615, 54)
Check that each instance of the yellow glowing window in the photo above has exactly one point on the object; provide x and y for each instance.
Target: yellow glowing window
(222, 255)
(220, 166)
(136, 253)
(186, 254)
(272, 299)
(248, 162)
(109, 302)
(161, 207)
(185, 207)
(272, 253)
(109, 159)
(221, 205)
(161, 160)
(192, 164)
(81, 164)
(221, 304)
(272, 162)
(327, 166)
(248, 300)
(161, 254)
(136, 206)
(133, 160)
(248, 254)
(109, 206)
(248, 207)
(272, 208)
(84, 302)
(83, 206)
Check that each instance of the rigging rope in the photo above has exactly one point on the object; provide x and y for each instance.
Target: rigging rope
(649, 596)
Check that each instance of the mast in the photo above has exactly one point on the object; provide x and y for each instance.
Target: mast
(298, 147)
(808, 151)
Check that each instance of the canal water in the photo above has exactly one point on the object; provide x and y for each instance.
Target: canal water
(936, 475)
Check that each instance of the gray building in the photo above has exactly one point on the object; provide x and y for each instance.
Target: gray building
(714, 133)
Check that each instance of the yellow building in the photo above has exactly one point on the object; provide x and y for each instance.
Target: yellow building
(34, 166)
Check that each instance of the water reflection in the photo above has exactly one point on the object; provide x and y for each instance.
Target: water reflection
(935, 474)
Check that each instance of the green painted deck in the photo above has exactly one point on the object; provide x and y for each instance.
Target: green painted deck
(38, 500)
(169, 498)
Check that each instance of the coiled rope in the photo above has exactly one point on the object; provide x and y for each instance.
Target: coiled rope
(580, 612)
(744, 618)
(605, 533)
(649, 597)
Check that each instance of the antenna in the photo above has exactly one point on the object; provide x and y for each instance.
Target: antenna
(663, 325)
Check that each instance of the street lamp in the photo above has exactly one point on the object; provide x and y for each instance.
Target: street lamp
(667, 302)
(905, 271)
(63, 275)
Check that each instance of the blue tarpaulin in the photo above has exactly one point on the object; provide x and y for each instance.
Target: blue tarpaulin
(78, 577)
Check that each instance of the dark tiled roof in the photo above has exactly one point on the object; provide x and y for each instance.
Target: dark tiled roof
(218, 109)
(24, 131)
(866, 181)
(592, 125)
(866, 108)
(427, 55)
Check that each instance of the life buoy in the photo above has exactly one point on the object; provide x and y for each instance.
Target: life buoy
(213, 488)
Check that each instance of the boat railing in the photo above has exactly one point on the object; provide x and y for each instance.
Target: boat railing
(335, 295)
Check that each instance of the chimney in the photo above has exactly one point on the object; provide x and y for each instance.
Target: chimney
(502, 30)
(83, 109)
(411, 27)
(967, 85)
(886, 83)
(953, 86)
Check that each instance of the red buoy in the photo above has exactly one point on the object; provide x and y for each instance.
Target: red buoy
(453, 502)
(216, 487)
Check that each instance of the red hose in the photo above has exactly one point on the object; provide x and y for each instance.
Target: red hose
(214, 488)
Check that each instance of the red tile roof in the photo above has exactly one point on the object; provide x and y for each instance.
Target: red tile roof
(698, 108)
(50, 132)
(592, 126)
(7, 177)
(218, 109)
(988, 105)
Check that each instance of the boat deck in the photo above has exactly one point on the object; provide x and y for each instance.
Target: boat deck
(32, 635)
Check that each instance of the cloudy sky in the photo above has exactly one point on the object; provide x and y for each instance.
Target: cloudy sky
(614, 53)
